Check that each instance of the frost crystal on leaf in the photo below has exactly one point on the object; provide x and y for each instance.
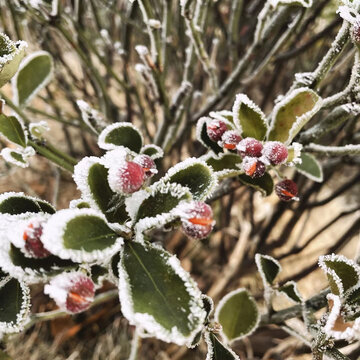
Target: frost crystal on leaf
(19, 156)
(37, 129)
(91, 117)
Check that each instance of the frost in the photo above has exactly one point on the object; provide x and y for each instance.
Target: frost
(159, 151)
(305, 79)
(224, 115)
(37, 129)
(349, 14)
(199, 126)
(296, 291)
(142, 50)
(303, 3)
(351, 108)
(260, 268)
(350, 149)
(155, 24)
(210, 352)
(114, 157)
(91, 117)
(19, 46)
(18, 157)
(297, 148)
(55, 227)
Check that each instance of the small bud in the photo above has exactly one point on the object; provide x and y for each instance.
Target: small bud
(32, 237)
(276, 152)
(126, 178)
(250, 147)
(215, 129)
(230, 139)
(197, 219)
(253, 167)
(73, 292)
(286, 190)
(147, 164)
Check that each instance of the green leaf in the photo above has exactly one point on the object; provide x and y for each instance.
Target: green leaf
(264, 184)
(14, 305)
(225, 165)
(80, 235)
(310, 167)
(194, 174)
(154, 151)
(226, 116)
(238, 315)
(17, 203)
(11, 54)
(157, 295)
(268, 267)
(121, 134)
(249, 118)
(208, 305)
(11, 128)
(46, 207)
(217, 350)
(343, 274)
(291, 291)
(202, 136)
(292, 113)
(34, 74)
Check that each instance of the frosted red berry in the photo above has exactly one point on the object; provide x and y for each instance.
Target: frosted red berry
(355, 32)
(253, 167)
(286, 190)
(127, 178)
(197, 219)
(250, 147)
(215, 129)
(147, 164)
(32, 238)
(276, 152)
(230, 139)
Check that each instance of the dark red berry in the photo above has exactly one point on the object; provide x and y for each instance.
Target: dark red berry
(253, 167)
(286, 190)
(215, 129)
(355, 32)
(230, 139)
(197, 219)
(148, 165)
(276, 152)
(32, 237)
(250, 147)
(127, 178)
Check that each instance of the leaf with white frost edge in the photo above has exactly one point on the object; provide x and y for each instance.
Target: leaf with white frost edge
(13, 130)
(158, 295)
(343, 274)
(310, 168)
(81, 235)
(294, 154)
(226, 116)
(224, 165)
(154, 151)
(291, 291)
(249, 118)
(194, 174)
(121, 134)
(264, 184)
(217, 350)
(18, 157)
(303, 3)
(91, 117)
(203, 137)
(35, 72)
(268, 267)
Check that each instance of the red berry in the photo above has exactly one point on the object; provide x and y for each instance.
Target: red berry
(286, 190)
(215, 129)
(230, 139)
(355, 32)
(126, 178)
(32, 237)
(276, 152)
(73, 292)
(253, 167)
(249, 147)
(197, 219)
(147, 164)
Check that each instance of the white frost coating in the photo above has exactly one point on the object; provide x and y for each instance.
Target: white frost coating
(142, 50)
(350, 149)
(75, 203)
(297, 147)
(19, 47)
(224, 116)
(91, 117)
(199, 125)
(244, 99)
(260, 269)
(45, 81)
(37, 129)
(55, 227)
(133, 202)
(300, 120)
(6, 153)
(309, 175)
(351, 108)
(348, 14)
(303, 3)
(188, 163)
(210, 352)
(154, 23)
(296, 290)
(146, 322)
(340, 259)
(21, 316)
(109, 146)
(223, 301)
(159, 154)
(113, 157)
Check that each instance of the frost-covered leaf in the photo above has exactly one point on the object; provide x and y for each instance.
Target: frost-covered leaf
(91, 117)
(294, 154)
(91, 177)
(81, 235)
(157, 295)
(292, 113)
(217, 350)
(249, 118)
(224, 165)
(343, 274)
(224, 115)
(208, 305)
(194, 174)
(98, 274)
(268, 267)
(14, 305)
(34, 74)
(264, 184)
(303, 3)
(238, 315)
(203, 137)
(310, 167)
(121, 134)
(12, 129)
(18, 157)
(291, 291)
(154, 151)
(11, 54)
